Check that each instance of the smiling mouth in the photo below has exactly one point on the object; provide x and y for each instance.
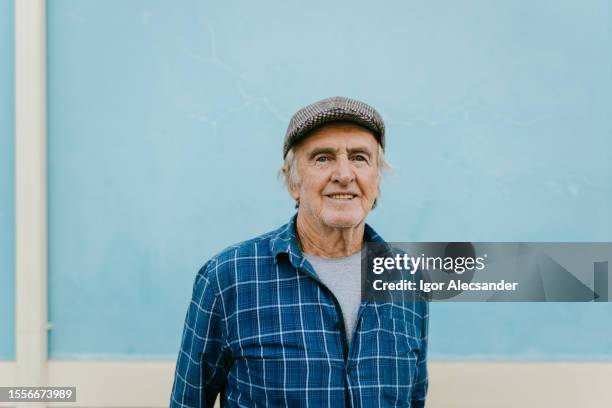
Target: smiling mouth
(341, 197)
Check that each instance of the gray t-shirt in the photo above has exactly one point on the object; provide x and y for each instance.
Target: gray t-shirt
(343, 277)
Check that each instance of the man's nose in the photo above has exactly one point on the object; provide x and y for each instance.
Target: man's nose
(343, 171)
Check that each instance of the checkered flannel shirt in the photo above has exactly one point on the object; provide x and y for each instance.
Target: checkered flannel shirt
(263, 331)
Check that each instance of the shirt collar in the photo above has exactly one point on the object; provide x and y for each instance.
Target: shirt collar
(285, 241)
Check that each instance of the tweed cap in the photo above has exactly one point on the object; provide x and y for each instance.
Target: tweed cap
(337, 108)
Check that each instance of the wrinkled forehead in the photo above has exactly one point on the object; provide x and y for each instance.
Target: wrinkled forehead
(339, 136)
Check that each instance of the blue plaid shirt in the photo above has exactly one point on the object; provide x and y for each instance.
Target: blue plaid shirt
(262, 330)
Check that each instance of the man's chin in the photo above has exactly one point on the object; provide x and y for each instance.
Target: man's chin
(343, 220)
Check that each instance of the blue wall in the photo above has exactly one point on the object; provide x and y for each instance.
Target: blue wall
(165, 131)
(7, 176)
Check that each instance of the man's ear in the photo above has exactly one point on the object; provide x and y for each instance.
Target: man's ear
(294, 191)
(291, 188)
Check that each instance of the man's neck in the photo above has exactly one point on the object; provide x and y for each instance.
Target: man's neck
(329, 242)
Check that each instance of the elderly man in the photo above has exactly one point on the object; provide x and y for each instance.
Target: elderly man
(278, 321)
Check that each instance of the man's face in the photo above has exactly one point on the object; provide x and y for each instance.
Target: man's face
(337, 166)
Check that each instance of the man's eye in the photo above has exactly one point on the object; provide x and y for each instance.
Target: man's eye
(360, 157)
(322, 159)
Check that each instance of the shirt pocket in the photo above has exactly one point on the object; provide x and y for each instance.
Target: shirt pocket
(405, 327)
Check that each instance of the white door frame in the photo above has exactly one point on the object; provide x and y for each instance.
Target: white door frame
(30, 194)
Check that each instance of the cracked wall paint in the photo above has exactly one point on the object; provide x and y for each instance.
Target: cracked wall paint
(166, 126)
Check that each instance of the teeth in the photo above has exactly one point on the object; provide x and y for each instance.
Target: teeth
(342, 196)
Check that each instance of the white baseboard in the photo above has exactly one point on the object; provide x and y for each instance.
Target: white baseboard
(7, 373)
(519, 384)
(131, 384)
(126, 384)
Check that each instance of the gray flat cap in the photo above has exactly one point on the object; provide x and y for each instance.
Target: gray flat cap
(337, 108)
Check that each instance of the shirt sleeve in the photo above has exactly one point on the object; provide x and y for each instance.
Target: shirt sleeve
(202, 364)
(421, 382)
